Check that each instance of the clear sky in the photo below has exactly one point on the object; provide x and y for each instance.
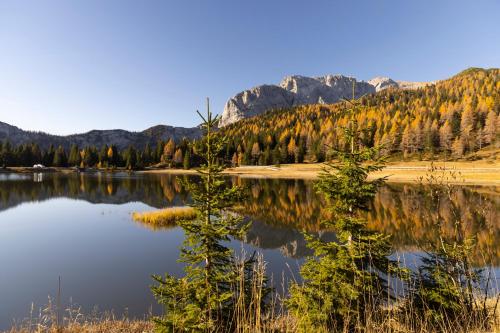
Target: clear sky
(71, 66)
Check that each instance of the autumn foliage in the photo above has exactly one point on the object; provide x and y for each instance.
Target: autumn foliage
(451, 118)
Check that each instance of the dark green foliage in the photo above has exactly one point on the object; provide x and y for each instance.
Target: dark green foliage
(346, 278)
(446, 285)
(48, 156)
(206, 297)
(103, 156)
(60, 158)
(74, 158)
(130, 157)
(6, 155)
(186, 164)
(147, 155)
(90, 157)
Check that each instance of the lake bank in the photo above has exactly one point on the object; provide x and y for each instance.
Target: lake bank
(471, 173)
(481, 172)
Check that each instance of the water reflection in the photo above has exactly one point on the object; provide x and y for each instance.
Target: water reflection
(282, 209)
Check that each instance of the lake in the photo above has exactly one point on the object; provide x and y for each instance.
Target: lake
(79, 227)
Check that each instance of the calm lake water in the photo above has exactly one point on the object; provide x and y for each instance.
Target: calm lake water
(79, 227)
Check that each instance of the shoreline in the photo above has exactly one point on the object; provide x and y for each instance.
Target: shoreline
(481, 172)
(469, 173)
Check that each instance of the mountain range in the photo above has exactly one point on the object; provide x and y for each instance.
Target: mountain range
(118, 137)
(300, 90)
(293, 90)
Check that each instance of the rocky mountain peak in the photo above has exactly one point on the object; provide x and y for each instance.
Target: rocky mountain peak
(255, 101)
(294, 90)
(381, 83)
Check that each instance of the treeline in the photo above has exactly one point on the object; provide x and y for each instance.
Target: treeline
(452, 118)
(165, 153)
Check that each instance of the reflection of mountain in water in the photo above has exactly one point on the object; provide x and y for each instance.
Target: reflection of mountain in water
(289, 241)
(280, 209)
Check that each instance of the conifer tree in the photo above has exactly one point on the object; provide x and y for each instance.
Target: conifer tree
(147, 155)
(7, 154)
(178, 158)
(186, 164)
(74, 156)
(344, 279)
(89, 157)
(168, 152)
(204, 299)
(490, 128)
(158, 151)
(130, 158)
(446, 285)
(48, 157)
(103, 156)
(60, 159)
(36, 153)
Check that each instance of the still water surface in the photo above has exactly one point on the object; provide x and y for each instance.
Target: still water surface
(79, 227)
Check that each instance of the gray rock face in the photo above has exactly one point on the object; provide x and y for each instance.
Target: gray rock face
(120, 138)
(298, 90)
(341, 87)
(324, 90)
(255, 101)
(292, 91)
(413, 85)
(381, 83)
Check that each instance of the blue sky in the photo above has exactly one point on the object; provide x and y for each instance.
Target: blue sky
(72, 66)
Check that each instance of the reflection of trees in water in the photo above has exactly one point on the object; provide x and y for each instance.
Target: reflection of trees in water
(156, 191)
(292, 203)
(282, 208)
(399, 210)
(408, 216)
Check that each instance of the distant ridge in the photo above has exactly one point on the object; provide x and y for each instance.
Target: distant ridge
(118, 137)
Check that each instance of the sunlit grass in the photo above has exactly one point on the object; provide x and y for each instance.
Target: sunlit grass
(164, 218)
(396, 318)
(249, 316)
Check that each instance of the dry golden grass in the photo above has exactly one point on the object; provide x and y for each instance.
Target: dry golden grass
(49, 319)
(250, 317)
(106, 326)
(164, 218)
(249, 320)
(483, 172)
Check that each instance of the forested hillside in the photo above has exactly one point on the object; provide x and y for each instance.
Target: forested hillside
(450, 119)
(453, 117)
